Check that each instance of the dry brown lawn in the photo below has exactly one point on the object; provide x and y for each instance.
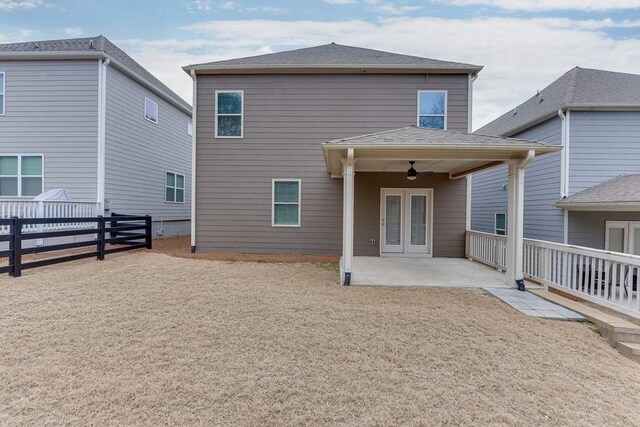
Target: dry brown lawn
(144, 338)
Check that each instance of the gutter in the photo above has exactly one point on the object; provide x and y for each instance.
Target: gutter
(328, 69)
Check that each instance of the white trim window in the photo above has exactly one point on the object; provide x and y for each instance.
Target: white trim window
(500, 224)
(2, 91)
(229, 114)
(286, 195)
(150, 110)
(432, 109)
(174, 188)
(622, 236)
(21, 175)
(190, 128)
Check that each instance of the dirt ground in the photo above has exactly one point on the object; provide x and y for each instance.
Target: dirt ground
(148, 339)
(181, 247)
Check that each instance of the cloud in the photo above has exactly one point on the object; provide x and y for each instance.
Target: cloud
(539, 5)
(74, 31)
(210, 5)
(381, 6)
(520, 55)
(8, 5)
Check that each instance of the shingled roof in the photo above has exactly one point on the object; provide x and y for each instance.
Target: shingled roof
(415, 136)
(84, 47)
(331, 57)
(623, 190)
(578, 88)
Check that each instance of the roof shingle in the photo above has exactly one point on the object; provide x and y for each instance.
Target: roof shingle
(334, 55)
(577, 87)
(624, 189)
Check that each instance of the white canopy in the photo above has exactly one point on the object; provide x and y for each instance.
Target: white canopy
(55, 194)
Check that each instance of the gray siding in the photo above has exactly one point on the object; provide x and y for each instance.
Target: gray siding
(588, 228)
(286, 120)
(542, 189)
(449, 211)
(52, 109)
(603, 145)
(139, 152)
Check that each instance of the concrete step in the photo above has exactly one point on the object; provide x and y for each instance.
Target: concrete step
(615, 329)
(630, 350)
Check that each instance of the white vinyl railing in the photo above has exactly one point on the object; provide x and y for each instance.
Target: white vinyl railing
(607, 278)
(48, 209)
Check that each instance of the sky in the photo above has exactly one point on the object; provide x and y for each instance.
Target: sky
(523, 45)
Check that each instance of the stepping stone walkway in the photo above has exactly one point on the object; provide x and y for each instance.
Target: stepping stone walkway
(532, 305)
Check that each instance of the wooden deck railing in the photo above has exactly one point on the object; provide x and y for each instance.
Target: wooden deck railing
(602, 277)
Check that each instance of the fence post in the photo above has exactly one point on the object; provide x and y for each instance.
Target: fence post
(148, 231)
(12, 231)
(17, 247)
(101, 237)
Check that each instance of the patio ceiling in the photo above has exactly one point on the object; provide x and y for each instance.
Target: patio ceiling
(455, 153)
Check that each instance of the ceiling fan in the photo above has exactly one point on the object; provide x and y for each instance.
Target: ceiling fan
(413, 174)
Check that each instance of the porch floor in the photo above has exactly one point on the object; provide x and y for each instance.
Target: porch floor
(443, 272)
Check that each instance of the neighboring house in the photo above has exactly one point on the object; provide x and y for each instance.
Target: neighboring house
(574, 196)
(83, 116)
(294, 153)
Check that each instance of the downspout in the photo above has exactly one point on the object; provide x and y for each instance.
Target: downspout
(564, 168)
(472, 78)
(194, 128)
(102, 112)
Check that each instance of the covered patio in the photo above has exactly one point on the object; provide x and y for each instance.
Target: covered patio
(424, 272)
(410, 195)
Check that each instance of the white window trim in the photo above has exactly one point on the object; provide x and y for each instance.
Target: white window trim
(19, 176)
(241, 92)
(3, 92)
(175, 187)
(495, 223)
(157, 111)
(446, 103)
(626, 226)
(273, 201)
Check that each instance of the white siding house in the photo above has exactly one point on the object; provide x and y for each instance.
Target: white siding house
(82, 115)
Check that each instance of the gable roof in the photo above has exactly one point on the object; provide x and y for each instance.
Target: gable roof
(621, 191)
(88, 47)
(417, 136)
(331, 58)
(579, 88)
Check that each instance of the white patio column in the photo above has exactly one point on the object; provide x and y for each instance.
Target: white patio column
(515, 220)
(348, 214)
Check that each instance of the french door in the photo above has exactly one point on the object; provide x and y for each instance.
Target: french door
(405, 221)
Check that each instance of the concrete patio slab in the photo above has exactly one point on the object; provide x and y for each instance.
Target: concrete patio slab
(532, 305)
(427, 272)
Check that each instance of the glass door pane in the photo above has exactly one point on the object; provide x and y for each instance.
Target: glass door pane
(393, 224)
(615, 241)
(418, 220)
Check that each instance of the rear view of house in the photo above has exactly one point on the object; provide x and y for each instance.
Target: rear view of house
(338, 150)
(83, 116)
(587, 194)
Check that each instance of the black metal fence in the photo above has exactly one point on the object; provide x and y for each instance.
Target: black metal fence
(107, 234)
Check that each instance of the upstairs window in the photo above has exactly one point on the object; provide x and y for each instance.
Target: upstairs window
(190, 129)
(500, 224)
(229, 113)
(432, 109)
(151, 110)
(21, 176)
(174, 188)
(286, 203)
(1, 93)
